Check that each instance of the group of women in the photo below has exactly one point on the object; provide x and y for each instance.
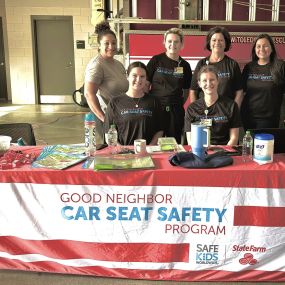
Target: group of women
(148, 102)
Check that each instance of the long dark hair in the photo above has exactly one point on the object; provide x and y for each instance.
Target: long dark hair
(274, 61)
(273, 55)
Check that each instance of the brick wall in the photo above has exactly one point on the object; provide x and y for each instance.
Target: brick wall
(19, 41)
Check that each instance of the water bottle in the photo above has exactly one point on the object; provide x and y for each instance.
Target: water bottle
(112, 139)
(247, 144)
(21, 142)
(90, 132)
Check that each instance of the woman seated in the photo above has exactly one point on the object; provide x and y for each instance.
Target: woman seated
(136, 114)
(219, 113)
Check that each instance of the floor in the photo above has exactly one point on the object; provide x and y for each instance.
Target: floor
(60, 124)
(52, 124)
(28, 278)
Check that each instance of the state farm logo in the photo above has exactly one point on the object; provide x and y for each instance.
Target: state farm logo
(248, 259)
(251, 248)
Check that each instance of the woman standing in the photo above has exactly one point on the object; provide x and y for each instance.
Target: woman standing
(105, 75)
(170, 77)
(136, 115)
(218, 41)
(219, 113)
(264, 86)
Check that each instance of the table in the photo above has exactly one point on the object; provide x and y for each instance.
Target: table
(167, 223)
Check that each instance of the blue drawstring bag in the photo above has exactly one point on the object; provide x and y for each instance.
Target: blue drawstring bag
(190, 160)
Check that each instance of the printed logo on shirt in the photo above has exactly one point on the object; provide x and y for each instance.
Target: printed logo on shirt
(218, 119)
(167, 71)
(224, 74)
(262, 77)
(136, 111)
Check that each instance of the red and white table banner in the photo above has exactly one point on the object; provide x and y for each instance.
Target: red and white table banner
(147, 232)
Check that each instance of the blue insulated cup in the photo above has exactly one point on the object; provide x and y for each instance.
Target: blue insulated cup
(200, 139)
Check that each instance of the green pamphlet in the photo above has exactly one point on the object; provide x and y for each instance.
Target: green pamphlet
(122, 161)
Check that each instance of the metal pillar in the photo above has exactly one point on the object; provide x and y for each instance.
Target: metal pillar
(229, 10)
(252, 10)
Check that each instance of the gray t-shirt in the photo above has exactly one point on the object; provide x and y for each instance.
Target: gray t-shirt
(109, 75)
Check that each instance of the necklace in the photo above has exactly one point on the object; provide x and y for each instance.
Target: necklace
(136, 102)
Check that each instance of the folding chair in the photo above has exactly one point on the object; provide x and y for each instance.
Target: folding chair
(19, 130)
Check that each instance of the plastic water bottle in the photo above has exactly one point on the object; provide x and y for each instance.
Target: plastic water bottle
(90, 132)
(247, 145)
(21, 142)
(112, 139)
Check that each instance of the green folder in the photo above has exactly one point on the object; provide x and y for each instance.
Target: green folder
(122, 161)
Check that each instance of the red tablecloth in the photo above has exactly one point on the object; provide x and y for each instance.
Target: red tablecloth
(166, 223)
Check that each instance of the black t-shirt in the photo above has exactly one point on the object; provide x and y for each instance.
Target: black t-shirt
(168, 78)
(263, 97)
(229, 76)
(224, 114)
(133, 122)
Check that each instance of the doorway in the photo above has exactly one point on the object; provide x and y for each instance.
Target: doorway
(3, 80)
(54, 58)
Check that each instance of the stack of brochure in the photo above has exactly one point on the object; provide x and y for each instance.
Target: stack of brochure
(60, 156)
(167, 144)
(120, 162)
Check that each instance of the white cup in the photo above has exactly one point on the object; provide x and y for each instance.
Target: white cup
(140, 146)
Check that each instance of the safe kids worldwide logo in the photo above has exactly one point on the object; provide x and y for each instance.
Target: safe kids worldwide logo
(207, 254)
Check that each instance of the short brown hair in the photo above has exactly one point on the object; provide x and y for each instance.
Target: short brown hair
(137, 64)
(207, 69)
(218, 30)
(175, 31)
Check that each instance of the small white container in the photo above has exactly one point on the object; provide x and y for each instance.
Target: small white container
(4, 144)
(140, 146)
(263, 148)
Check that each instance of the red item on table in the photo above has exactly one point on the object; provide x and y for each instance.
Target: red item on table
(14, 159)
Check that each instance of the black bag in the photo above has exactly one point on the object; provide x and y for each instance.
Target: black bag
(80, 99)
(190, 160)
